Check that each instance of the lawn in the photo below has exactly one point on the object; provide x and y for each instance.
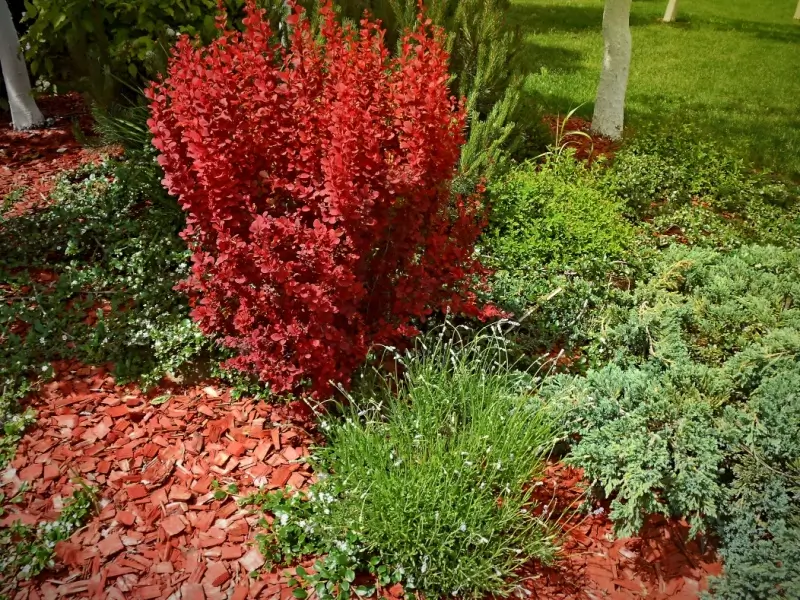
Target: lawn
(750, 100)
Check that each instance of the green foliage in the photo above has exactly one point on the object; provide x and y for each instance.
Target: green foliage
(761, 531)
(409, 480)
(694, 407)
(707, 306)
(675, 166)
(110, 248)
(99, 46)
(553, 214)
(702, 193)
(560, 247)
(13, 429)
(26, 551)
(644, 440)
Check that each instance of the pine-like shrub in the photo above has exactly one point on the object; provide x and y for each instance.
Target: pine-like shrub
(316, 182)
(698, 412)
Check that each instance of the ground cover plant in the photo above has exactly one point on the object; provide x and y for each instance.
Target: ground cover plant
(27, 550)
(693, 407)
(425, 478)
(316, 182)
(686, 187)
(559, 245)
(92, 277)
(727, 68)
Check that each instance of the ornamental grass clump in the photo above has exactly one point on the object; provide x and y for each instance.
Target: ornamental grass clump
(427, 478)
(316, 182)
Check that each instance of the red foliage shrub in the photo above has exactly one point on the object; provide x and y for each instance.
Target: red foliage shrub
(317, 186)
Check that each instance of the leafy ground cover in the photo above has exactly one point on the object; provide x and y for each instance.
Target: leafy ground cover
(727, 67)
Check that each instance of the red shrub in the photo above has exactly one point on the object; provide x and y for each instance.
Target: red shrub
(317, 186)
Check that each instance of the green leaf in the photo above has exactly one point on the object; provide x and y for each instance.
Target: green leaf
(349, 575)
(132, 70)
(160, 400)
(300, 593)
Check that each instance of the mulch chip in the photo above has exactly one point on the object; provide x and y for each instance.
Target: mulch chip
(31, 161)
(658, 564)
(159, 532)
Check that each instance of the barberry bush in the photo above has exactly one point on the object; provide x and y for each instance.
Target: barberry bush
(317, 185)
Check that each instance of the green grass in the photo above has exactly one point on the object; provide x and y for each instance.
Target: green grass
(410, 479)
(730, 67)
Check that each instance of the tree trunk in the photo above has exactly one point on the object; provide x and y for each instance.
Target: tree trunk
(24, 112)
(797, 10)
(609, 110)
(672, 11)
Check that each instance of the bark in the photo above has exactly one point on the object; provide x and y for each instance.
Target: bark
(609, 110)
(672, 11)
(24, 112)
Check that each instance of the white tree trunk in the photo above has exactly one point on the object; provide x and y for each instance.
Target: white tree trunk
(797, 10)
(672, 11)
(609, 110)
(24, 112)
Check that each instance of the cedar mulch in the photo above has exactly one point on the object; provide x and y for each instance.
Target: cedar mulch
(30, 161)
(159, 532)
(593, 564)
(589, 149)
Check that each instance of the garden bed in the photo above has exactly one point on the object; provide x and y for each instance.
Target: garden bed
(162, 524)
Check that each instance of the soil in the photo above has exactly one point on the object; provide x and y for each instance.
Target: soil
(160, 531)
(577, 133)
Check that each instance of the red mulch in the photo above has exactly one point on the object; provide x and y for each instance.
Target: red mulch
(590, 149)
(31, 160)
(159, 530)
(659, 564)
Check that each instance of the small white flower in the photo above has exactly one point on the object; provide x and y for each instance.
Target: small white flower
(462, 527)
(45, 367)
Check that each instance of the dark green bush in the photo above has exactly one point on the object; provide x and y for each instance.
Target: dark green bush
(94, 46)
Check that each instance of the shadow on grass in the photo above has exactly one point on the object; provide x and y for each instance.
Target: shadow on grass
(766, 140)
(787, 33)
(532, 18)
